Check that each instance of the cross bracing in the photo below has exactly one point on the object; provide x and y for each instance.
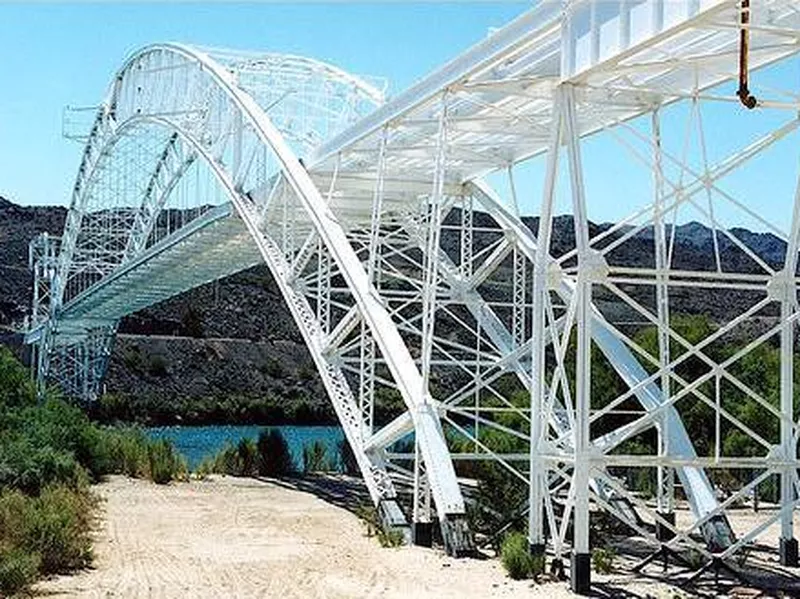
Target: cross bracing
(410, 277)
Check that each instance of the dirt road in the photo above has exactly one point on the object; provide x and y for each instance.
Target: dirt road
(232, 537)
(237, 537)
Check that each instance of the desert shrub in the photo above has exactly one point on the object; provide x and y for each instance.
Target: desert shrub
(371, 520)
(369, 517)
(315, 457)
(307, 372)
(53, 527)
(603, 560)
(228, 460)
(16, 387)
(128, 451)
(58, 529)
(18, 570)
(274, 457)
(48, 454)
(247, 454)
(390, 538)
(204, 468)
(273, 368)
(164, 463)
(515, 556)
(158, 366)
(499, 503)
(347, 459)
(29, 468)
(132, 358)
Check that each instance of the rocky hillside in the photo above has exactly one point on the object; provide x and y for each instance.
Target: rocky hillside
(18, 225)
(232, 337)
(236, 337)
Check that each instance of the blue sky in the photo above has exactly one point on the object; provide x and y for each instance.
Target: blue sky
(54, 55)
(60, 54)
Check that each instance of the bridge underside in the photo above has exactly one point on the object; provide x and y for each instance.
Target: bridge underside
(213, 246)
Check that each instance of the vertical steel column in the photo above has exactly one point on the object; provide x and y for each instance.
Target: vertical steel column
(465, 269)
(367, 370)
(422, 490)
(431, 274)
(579, 571)
(422, 529)
(666, 475)
(540, 299)
(373, 257)
(788, 544)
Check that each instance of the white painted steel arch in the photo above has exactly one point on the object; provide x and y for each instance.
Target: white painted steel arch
(124, 115)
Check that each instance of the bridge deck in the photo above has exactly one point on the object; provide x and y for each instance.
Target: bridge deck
(213, 246)
(626, 57)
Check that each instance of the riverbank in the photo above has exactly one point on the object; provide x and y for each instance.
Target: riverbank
(232, 537)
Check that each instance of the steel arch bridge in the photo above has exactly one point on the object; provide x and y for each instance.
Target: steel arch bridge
(393, 231)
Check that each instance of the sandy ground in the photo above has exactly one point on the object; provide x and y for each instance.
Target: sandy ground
(230, 537)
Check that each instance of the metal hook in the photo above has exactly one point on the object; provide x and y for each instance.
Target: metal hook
(747, 99)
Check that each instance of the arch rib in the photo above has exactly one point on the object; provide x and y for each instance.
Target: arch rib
(427, 427)
(237, 104)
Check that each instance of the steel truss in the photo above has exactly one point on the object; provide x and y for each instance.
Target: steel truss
(413, 282)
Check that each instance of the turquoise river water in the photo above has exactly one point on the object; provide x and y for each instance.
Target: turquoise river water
(198, 442)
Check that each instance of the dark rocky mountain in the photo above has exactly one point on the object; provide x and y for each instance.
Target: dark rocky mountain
(231, 337)
(18, 225)
(236, 337)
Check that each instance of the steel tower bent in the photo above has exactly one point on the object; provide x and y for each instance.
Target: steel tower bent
(410, 278)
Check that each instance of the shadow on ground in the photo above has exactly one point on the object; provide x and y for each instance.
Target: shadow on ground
(758, 575)
(346, 492)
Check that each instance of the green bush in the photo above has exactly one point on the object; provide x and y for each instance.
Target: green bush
(315, 458)
(603, 560)
(58, 529)
(387, 538)
(29, 468)
(273, 369)
(54, 527)
(390, 538)
(247, 453)
(515, 556)
(18, 570)
(132, 358)
(274, 457)
(158, 366)
(204, 468)
(229, 460)
(48, 454)
(164, 463)
(128, 452)
(269, 456)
